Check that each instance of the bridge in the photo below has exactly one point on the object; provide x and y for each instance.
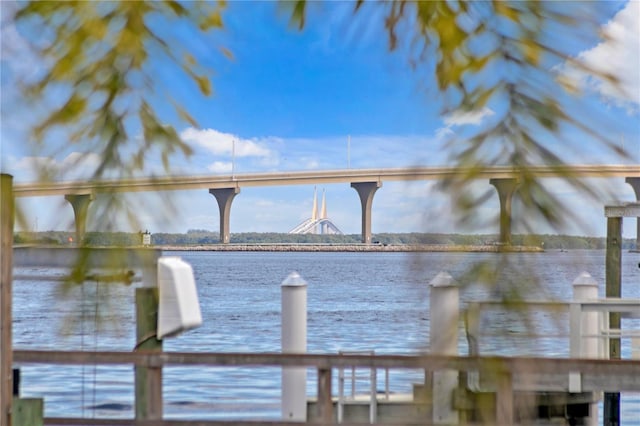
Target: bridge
(365, 181)
(318, 220)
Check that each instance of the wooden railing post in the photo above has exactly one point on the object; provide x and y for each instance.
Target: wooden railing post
(148, 380)
(325, 401)
(504, 398)
(613, 278)
(6, 276)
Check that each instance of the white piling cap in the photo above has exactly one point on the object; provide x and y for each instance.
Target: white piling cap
(443, 279)
(294, 280)
(584, 279)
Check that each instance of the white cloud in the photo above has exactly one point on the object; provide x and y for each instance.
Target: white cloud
(76, 165)
(310, 163)
(444, 132)
(618, 55)
(31, 163)
(462, 118)
(269, 153)
(220, 167)
(220, 143)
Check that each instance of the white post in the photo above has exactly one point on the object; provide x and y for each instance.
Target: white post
(150, 275)
(294, 340)
(443, 340)
(585, 288)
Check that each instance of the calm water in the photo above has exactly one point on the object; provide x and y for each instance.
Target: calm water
(356, 301)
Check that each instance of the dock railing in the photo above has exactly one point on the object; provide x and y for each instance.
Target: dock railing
(505, 375)
(351, 375)
(590, 335)
(578, 333)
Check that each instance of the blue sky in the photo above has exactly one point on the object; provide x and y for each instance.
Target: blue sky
(292, 100)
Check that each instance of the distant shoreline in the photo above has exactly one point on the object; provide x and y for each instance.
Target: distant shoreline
(413, 241)
(354, 248)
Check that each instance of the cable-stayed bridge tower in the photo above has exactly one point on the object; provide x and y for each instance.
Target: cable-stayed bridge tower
(318, 223)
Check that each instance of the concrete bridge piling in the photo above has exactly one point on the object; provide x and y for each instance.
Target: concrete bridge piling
(80, 204)
(506, 188)
(366, 191)
(224, 196)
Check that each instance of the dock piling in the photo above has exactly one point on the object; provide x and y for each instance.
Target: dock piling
(148, 380)
(6, 278)
(294, 340)
(325, 402)
(443, 340)
(585, 342)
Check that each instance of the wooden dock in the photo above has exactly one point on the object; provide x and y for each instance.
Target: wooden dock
(507, 381)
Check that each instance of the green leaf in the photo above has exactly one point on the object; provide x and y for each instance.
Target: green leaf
(298, 14)
(503, 8)
(184, 114)
(176, 7)
(204, 84)
(211, 20)
(72, 109)
(531, 51)
(226, 52)
(189, 59)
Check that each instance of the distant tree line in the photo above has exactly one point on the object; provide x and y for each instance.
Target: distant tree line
(108, 239)
(204, 237)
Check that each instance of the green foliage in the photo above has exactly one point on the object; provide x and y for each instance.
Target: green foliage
(118, 239)
(493, 55)
(501, 56)
(99, 64)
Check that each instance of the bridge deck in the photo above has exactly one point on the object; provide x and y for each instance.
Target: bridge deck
(173, 183)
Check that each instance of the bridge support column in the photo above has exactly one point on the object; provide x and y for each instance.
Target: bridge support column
(505, 187)
(635, 184)
(366, 190)
(224, 196)
(80, 204)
